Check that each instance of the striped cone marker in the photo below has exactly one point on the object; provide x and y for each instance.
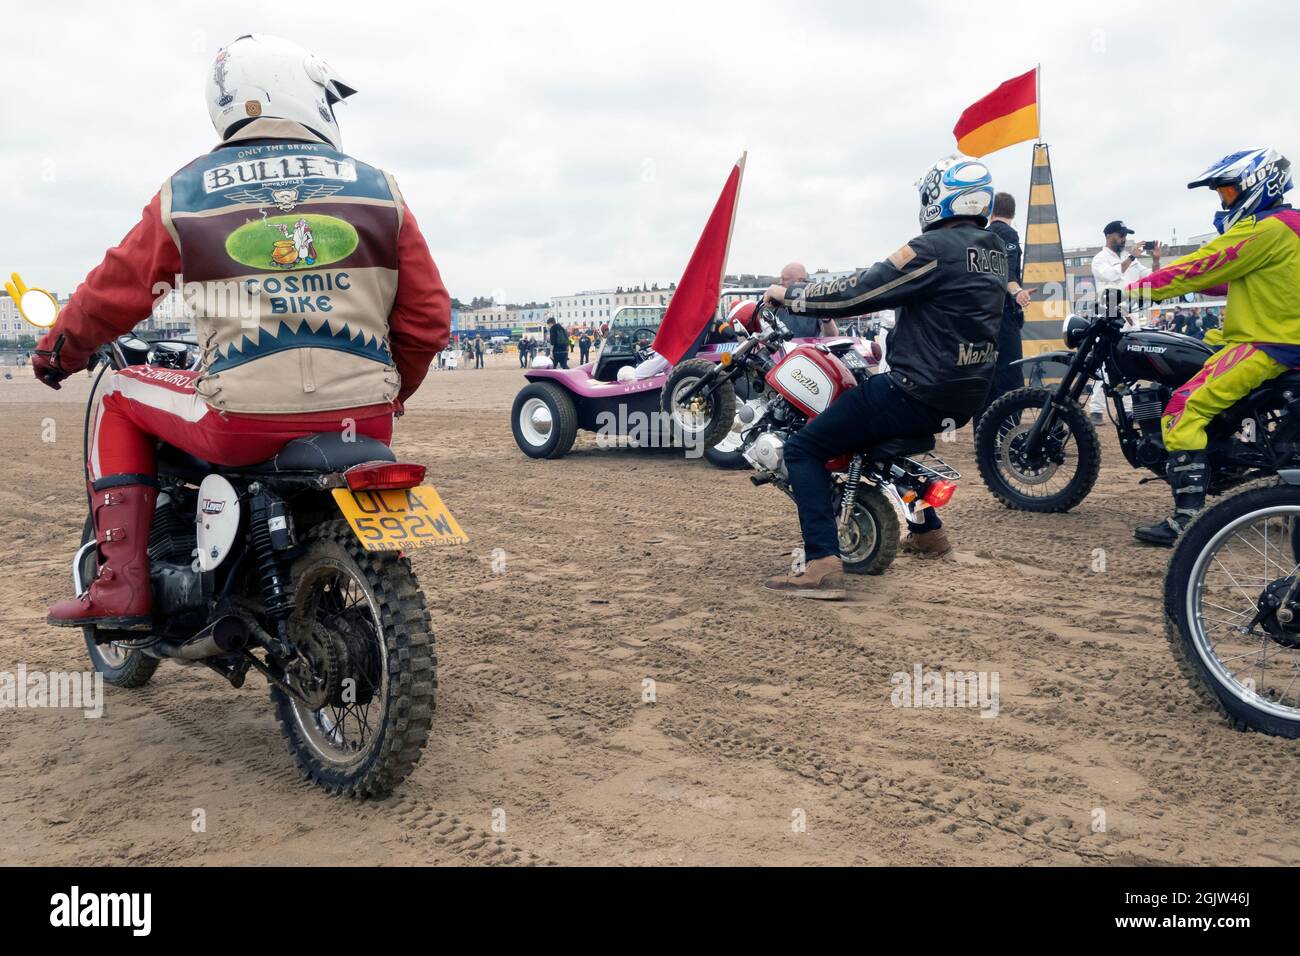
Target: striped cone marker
(1043, 266)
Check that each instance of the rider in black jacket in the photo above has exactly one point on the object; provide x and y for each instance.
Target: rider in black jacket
(946, 287)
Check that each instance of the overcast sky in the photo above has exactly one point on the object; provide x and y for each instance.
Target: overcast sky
(552, 147)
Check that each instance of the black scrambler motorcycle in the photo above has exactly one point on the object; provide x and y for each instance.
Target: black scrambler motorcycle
(788, 386)
(292, 568)
(1037, 450)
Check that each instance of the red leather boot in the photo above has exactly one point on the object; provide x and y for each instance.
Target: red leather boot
(118, 599)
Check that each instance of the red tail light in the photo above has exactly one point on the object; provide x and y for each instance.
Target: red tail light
(384, 476)
(939, 493)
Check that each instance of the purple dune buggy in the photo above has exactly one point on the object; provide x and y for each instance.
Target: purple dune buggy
(556, 403)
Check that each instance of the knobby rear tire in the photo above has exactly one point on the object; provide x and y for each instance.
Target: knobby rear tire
(412, 667)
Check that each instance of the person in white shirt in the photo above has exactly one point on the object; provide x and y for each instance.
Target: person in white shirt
(1114, 267)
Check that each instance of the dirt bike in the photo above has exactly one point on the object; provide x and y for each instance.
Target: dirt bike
(1232, 606)
(1037, 450)
(292, 568)
(789, 388)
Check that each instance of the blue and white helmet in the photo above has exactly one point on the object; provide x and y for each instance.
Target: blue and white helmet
(955, 186)
(1261, 177)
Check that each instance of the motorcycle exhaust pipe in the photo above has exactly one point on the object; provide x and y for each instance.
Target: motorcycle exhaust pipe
(225, 635)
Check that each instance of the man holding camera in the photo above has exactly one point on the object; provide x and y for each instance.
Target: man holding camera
(1114, 267)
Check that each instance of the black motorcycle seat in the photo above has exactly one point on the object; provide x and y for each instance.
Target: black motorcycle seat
(324, 453)
(902, 446)
(1288, 379)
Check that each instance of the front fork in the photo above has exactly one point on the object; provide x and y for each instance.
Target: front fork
(707, 383)
(1081, 371)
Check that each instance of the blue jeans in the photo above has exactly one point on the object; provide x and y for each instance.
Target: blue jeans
(878, 409)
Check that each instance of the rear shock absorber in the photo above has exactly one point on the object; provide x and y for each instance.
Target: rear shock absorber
(276, 597)
(851, 489)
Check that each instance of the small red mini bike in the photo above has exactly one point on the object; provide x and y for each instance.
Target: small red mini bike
(789, 387)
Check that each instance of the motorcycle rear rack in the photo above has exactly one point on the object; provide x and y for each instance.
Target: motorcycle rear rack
(929, 465)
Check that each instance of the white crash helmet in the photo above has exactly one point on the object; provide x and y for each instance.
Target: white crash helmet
(955, 186)
(262, 75)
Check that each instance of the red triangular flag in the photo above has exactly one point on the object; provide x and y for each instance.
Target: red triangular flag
(696, 300)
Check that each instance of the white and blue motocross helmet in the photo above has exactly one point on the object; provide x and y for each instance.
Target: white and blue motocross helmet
(956, 186)
(1261, 177)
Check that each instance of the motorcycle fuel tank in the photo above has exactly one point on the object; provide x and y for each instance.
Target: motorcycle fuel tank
(1165, 357)
(810, 378)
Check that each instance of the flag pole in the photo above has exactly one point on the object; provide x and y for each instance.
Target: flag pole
(1038, 97)
(740, 181)
(1024, 236)
(1033, 155)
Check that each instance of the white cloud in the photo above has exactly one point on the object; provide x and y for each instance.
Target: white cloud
(548, 148)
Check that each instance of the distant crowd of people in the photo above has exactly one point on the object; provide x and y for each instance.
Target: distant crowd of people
(557, 348)
(1193, 322)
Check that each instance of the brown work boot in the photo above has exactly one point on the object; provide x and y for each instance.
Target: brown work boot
(929, 545)
(821, 580)
(119, 598)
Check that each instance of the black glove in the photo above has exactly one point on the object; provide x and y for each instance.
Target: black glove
(43, 363)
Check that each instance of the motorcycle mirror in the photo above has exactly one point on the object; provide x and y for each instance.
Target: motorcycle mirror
(37, 306)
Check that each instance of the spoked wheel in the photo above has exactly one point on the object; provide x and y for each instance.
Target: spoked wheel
(122, 663)
(1055, 476)
(869, 542)
(1232, 606)
(704, 419)
(366, 667)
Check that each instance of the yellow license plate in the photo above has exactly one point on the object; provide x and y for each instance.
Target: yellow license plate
(399, 520)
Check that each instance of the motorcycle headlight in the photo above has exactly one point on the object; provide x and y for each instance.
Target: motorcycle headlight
(1075, 327)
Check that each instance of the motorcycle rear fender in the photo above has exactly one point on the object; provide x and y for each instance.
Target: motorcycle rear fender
(1065, 358)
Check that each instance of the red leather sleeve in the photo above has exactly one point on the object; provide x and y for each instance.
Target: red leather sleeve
(119, 292)
(420, 324)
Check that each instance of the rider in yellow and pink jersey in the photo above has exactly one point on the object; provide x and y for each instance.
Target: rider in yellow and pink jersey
(1256, 263)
